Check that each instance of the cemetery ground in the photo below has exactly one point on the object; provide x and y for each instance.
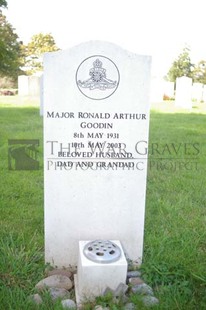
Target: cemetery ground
(175, 238)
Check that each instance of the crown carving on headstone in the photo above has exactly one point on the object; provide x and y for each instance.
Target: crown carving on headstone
(97, 63)
(98, 79)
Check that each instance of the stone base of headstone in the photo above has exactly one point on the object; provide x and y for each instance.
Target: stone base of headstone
(93, 278)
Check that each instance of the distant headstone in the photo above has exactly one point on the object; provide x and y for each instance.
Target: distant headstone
(23, 85)
(197, 91)
(41, 95)
(204, 93)
(183, 95)
(34, 86)
(96, 121)
(29, 85)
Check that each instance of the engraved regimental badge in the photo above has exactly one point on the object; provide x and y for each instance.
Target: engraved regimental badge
(97, 77)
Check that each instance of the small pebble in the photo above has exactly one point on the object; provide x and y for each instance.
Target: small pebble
(63, 272)
(55, 281)
(135, 281)
(36, 298)
(150, 301)
(121, 289)
(98, 307)
(56, 292)
(107, 291)
(142, 289)
(130, 306)
(133, 274)
(68, 304)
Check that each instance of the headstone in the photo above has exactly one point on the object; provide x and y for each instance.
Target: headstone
(183, 95)
(96, 120)
(29, 85)
(34, 86)
(41, 110)
(197, 92)
(23, 85)
(204, 93)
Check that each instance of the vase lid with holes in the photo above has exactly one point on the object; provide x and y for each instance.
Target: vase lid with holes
(102, 251)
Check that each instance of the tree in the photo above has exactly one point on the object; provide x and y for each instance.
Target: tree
(199, 74)
(182, 66)
(39, 44)
(3, 3)
(10, 49)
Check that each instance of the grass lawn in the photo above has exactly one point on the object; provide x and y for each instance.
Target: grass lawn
(175, 237)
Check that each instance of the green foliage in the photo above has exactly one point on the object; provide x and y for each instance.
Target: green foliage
(3, 3)
(8, 82)
(182, 66)
(10, 49)
(19, 261)
(199, 74)
(34, 50)
(175, 214)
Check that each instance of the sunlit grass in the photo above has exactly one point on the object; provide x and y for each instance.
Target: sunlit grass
(19, 101)
(175, 239)
(170, 107)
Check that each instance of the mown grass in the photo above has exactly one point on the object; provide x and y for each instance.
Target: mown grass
(175, 238)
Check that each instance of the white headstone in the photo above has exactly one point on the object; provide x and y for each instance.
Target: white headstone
(183, 94)
(29, 85)
(204, 93)
(41, 110)
(23, 85)
(197, 91)
(96, 121)
(34, 85)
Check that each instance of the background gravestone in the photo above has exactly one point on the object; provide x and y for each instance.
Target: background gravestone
(23, 85)
(41, 107)
(197, 92)
(96, 121)
(29, 85)
(183, 94)
(34, 85)
(204, 93)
